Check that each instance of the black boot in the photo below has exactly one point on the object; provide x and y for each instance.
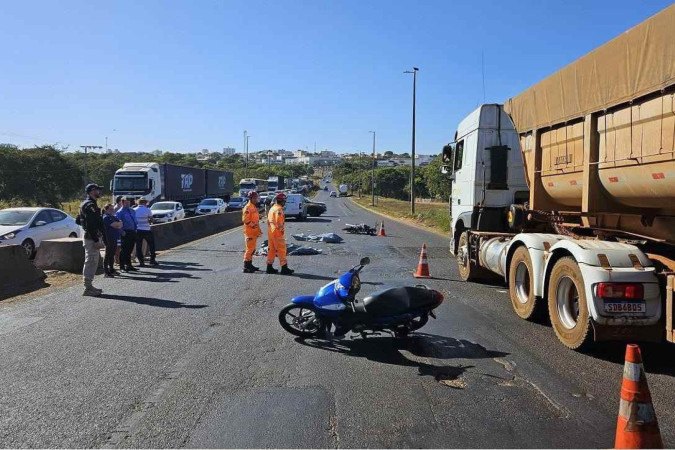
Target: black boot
(248, 267)
(286, 271)
(255, 269)
(271, 269)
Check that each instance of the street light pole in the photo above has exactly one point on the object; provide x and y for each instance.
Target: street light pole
(372, 174)
(246, 150)
(412, 171)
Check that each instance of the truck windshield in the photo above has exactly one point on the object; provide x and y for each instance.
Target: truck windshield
(247, 186)
(137, 183)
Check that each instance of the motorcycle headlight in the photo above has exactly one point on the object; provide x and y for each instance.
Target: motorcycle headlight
(356, 286)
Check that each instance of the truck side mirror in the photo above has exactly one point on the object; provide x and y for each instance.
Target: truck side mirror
(150, 184)
(448, 159)
(111, 184)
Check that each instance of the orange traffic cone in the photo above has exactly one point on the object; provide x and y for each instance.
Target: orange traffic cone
(636, 426)
(423, 265)
(381, 232)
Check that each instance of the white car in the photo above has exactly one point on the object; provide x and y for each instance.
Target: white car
(296, 206)
(28, 227)
(333, 194)
(167, 212)
(211, 206)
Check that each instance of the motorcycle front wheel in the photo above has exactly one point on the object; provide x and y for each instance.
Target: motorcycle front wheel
(300, 320)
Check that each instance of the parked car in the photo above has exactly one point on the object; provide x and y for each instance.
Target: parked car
(167, 212)
(28, 227)
(315, 209)
(296, 206)
(211, 206)
(333, 194)
(236, 203)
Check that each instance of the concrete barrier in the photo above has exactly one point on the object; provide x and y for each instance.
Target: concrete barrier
(172, 234)
(16, 269)
(66, 254)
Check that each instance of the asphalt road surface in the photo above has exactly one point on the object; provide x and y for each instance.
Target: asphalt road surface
(191, 354)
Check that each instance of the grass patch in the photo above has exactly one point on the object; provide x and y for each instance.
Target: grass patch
(432, 215)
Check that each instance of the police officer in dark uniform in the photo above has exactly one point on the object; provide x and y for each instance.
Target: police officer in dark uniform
(91, 221)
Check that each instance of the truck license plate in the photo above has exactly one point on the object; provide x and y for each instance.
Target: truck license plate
(626, 307)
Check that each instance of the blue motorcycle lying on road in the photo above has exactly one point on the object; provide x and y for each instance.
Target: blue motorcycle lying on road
(397, 310)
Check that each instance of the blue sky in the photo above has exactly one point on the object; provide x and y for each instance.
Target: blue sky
(187, 75)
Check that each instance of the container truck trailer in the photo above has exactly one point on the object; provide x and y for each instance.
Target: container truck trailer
(168, 182)
(567, 191)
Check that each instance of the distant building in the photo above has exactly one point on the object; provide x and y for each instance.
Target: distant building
(229, 151)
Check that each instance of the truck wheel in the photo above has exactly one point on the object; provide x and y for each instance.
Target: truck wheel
(521, 284)
(468, 271)
(567, 304)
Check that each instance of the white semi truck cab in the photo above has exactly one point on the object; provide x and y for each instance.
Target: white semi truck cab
(138, 180)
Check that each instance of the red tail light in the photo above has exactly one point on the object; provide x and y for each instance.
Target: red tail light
(437, 296)
(634, 291)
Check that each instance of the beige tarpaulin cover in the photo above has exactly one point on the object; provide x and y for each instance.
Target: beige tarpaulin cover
(640, 61)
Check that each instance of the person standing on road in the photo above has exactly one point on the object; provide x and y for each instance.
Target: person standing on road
(144, 232)
(113, 231)
(276, 221)
(128, 218)
(118, 203)
(118, 206)
(251, 219)
(90, 220)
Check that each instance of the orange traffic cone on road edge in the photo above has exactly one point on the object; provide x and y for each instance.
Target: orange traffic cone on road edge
(381, 232)
(636, 426)
(423, 265)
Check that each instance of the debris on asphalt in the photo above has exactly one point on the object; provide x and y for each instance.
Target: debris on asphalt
(291, 249)
(329, 238)
(360, 228)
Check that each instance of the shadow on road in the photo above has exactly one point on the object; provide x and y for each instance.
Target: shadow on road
(161, 277)
(657, 357)
(317, 219)
(151, 301)
(420, 346)
(172, 265)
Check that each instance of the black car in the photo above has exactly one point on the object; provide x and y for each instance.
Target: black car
(315, 209)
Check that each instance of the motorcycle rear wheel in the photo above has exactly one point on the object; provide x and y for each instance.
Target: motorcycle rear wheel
(300, 320)
(419, 322)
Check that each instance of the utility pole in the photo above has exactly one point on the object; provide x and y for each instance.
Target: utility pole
(246, 151)
(412, 171)
(85, 148)
(372, 173)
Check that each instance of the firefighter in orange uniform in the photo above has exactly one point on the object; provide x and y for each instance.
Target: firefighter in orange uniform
(275, 235)
(251, 219)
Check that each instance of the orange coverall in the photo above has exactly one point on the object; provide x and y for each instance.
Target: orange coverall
(275, 235)
(250, 217)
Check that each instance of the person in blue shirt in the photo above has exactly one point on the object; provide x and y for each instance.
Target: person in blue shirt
(129, 226)
(113, 231)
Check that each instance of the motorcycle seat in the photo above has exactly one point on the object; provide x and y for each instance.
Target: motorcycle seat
(393, 301)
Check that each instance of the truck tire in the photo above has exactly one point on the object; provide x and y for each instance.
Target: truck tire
(521, 285)
(567, 305)
(468, 271)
